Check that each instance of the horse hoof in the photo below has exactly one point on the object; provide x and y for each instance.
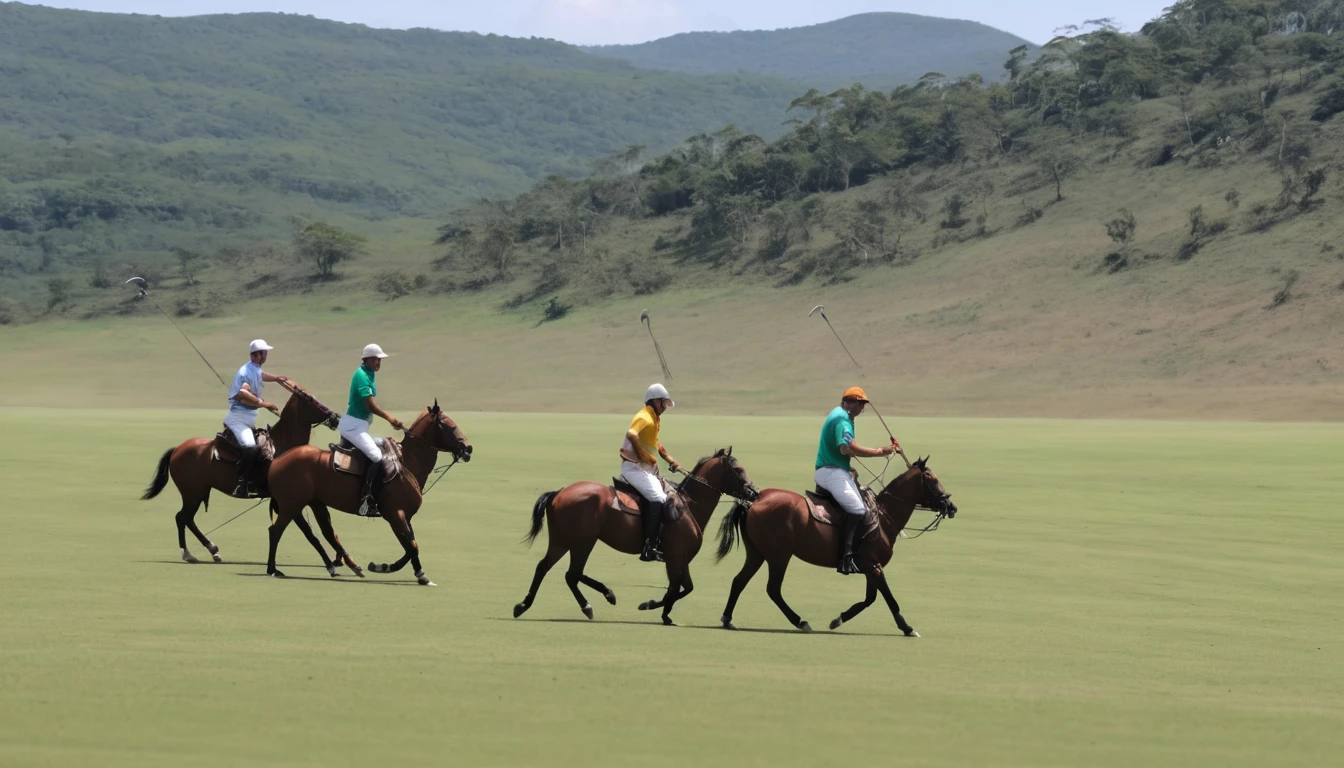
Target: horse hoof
(519, 610)
(911, 632)
(588, 611)
(423, 580)
(187, 557)
(647, 605)
(331, 571)
(836, 624)
(804, 627)
(611, 597)
(275, 574)
(216, 556)
(668, 622)
(727, 622)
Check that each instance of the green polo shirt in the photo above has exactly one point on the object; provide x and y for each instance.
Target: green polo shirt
(837, 430)
(362, 386)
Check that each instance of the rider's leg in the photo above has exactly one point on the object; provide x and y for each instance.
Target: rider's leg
(845, 490)
(650, 486)
(242, 433)
(357, 432)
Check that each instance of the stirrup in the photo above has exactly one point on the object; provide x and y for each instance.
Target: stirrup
(369, 508)
(848, 566)
(651, 553)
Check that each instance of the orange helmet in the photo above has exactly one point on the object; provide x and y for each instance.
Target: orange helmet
(855, 393)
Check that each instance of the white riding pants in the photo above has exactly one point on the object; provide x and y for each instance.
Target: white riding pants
(842, 486)
(357, 432)
(241, 427)
(645, 480)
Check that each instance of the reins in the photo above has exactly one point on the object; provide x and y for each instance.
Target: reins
(689, 476)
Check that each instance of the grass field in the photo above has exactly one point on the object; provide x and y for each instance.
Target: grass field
(1113, 593)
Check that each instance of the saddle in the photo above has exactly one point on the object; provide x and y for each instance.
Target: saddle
(827, 511)
(226, 447)
(628, 500)
(346, 459)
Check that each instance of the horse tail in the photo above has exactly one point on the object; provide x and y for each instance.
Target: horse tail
(160, 480)
(731, 526)
(539, 514)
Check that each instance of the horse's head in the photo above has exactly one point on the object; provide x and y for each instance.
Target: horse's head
(443, 433)
(932, 494)
(306, 409)
(725, 473)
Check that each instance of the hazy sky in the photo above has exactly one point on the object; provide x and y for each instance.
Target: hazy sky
(632, 21)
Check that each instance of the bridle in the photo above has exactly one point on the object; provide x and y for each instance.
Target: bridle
(434, 444)
(940, 513)
(692, 476)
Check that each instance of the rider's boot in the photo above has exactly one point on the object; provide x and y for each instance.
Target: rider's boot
(653, 523)
(368, 506)
(245, 465)
(848, 537)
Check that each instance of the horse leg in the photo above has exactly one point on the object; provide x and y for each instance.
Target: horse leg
(772, 588)
(323, 517)
(578, 558)
(740, 581)
(308, 534)
(678, 589)
(683, 588)
(882, 587)
(553, 554)
(402, 530)
(857, 608)
(277, 529)
(589, 581)
(184, 519)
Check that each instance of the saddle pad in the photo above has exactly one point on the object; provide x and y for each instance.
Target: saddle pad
(825, 511)
(352, 461)
(226, 448)
(624, 498)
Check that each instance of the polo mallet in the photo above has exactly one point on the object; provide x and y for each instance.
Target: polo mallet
(822, 310)
(140, 283)
(644, 318)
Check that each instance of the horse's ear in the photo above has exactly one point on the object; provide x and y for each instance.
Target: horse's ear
(436, 405)
(730, 450)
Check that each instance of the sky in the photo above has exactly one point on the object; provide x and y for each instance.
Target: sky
(600, 22)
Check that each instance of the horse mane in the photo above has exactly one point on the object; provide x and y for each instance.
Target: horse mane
(719, 454)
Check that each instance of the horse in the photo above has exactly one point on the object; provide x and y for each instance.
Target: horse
(779, 526)
(194, 470)
(583, 513)
(305, 477)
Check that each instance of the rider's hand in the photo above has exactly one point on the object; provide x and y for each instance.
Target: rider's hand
(673, 465)
(397, 425)
(272, 408)
(887, 450)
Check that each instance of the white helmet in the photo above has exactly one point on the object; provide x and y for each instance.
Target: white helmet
(373, 350)
(259, 345)
(658, 392)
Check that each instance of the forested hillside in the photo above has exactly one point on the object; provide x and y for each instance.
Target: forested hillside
(125, 136)
(880, 50)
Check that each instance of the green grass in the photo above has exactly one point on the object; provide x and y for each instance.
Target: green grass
(1113, 593)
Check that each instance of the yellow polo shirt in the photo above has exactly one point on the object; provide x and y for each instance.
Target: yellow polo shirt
(645, 424)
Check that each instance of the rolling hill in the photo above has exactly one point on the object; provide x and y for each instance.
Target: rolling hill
(880, 50)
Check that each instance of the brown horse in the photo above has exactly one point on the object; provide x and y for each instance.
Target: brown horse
(195, 472)
(779, 526)
(584, 513)
(304, 478)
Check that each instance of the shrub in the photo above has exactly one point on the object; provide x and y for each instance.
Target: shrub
(1121, 229)
(954, 209)
(555, 310)
(58, 290)
(393, 284)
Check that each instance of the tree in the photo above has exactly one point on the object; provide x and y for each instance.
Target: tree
(326, 245)
(58, 290)
(1057, 166)
(954, 209)
(187, 260)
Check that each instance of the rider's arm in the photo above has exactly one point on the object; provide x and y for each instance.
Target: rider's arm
(269, 379)
(376, 411)
(246, 397)
(854, 449)
(671, 462)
